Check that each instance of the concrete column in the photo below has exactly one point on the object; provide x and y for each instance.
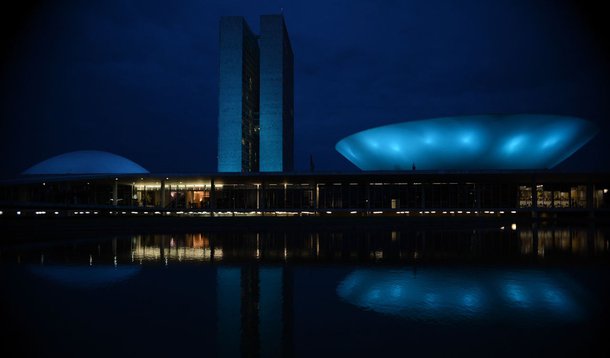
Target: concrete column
(115, 193)
(590, 191)
(212, 197)
(367, 190)
(285, 195)
(423, 195)
(263, 197)
(162, 194)
(534, 199)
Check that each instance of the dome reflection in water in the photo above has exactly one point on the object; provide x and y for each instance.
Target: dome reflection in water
(85, 276)
(451, 295)
(411, 290)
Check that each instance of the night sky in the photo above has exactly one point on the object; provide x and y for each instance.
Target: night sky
(140, 78)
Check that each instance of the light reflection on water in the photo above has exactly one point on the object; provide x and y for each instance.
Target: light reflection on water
(291, 293)
(487, 244)
(450, 295)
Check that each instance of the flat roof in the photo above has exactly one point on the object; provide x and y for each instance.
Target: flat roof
(501, 176)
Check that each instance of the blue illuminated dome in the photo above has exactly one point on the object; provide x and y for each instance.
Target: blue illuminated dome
(86, 162)
(521, 141)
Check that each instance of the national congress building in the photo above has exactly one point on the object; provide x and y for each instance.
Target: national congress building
(479, 165)
(256, 100)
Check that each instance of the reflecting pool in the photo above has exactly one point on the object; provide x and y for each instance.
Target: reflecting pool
(501, 291)
(457, 295)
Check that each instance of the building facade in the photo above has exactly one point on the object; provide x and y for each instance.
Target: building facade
(429, 194)
(238, 97)
(255, 101)
(277, 96)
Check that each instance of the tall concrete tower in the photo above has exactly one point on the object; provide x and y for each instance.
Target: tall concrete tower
(238, 97)
(277, 96)
(256, 97)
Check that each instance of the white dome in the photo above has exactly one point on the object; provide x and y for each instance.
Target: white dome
(86, 162)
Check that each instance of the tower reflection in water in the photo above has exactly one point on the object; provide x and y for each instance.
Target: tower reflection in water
(254, 302)
(254, 310)
(258, 276)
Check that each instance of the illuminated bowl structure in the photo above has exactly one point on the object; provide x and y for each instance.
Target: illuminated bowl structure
(86, 162)
(495, 142)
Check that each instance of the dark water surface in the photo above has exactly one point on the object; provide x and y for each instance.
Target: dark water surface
(501, 291)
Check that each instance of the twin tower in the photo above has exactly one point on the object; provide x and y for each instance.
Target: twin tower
(256, 97)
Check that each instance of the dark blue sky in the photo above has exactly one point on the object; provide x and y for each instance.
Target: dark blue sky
(140, 78)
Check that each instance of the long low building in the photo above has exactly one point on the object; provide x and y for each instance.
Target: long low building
(371, 193)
